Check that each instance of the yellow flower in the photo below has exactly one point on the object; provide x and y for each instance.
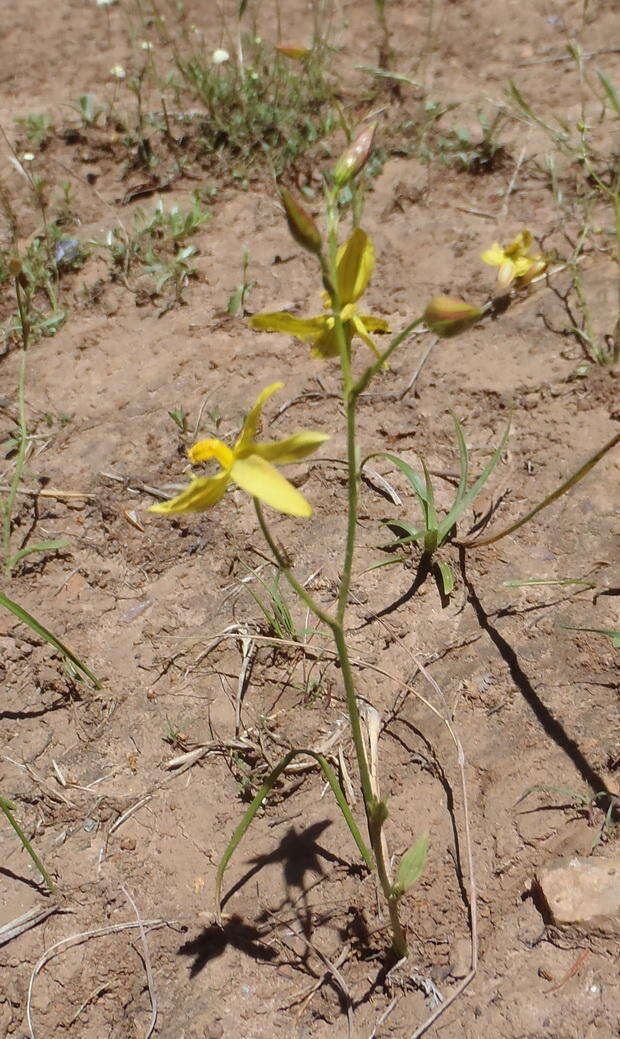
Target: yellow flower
(248, 464)
(514, 261)
(354, 265)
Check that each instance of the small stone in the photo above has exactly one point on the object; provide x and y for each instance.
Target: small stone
(460, 958)
(577, 890)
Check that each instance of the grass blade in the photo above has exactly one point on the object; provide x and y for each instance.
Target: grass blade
(559, 491)
(610, 632)
(7, 808)
(610, 90)
(459, 507)
(446, 577)
(47, 636)
(411, 475)
(431, 513)
(463, 461)
(42, 546)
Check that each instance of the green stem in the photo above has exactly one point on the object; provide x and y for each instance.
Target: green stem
(347, 675)
(285, 567)
(257, 801)
(352, 494)
(372, 370)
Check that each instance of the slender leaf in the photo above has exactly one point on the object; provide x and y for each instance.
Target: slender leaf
(463, 460)
(412, 477)
(43, 633)
(384, 562)
(267, 786)
(610, 90)
(559, 491)
(473, 492)
(411, 866)
(431, 513)
(7, 808)
(409, 533)
(610, 632)
(446, 577)
(42, 546)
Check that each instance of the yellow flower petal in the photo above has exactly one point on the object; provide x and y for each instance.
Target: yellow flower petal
(506, 274)
(494, 256)
(519, 245)
(374, 324)
(291, 449)
(305, 329)
(201, 494)
(206, 449)
(326, 345)
(354, 265)
(362, 332)
(250, 426)
(522, 265)
(261, 480)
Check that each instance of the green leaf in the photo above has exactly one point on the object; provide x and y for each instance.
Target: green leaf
(43, 633)
(463, 460)
(409, 533)
(7, 808)
(267, 786)
(446, 577)
(559, 491)
(610, 632)
(411, 866)
(384, 562)
(413, 478)
(459, 506)
(41, 546)
(431, 514)
(610, 90)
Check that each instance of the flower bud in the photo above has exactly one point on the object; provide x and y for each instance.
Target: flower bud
(355, 157)
(447, 317)
(293, 52)
(300, 224)
(14, 266)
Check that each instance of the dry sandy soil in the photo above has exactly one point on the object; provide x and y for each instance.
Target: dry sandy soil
(141, 599)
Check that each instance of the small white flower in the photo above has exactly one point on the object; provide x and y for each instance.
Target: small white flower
(28, 157)
(106, 3)
(146, 46)
(219, 57)
(117, 71)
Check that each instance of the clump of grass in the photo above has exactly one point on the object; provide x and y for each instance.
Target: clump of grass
(262, 105)
(157, 245)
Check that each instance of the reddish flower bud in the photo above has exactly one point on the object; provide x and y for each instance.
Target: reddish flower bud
(447, 317)
(300, 224)
(355, 157)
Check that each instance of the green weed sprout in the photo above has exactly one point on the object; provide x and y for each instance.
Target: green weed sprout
(345, 269)
(77, 668)
(275, 608)
(12, 556)
(436, 529)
